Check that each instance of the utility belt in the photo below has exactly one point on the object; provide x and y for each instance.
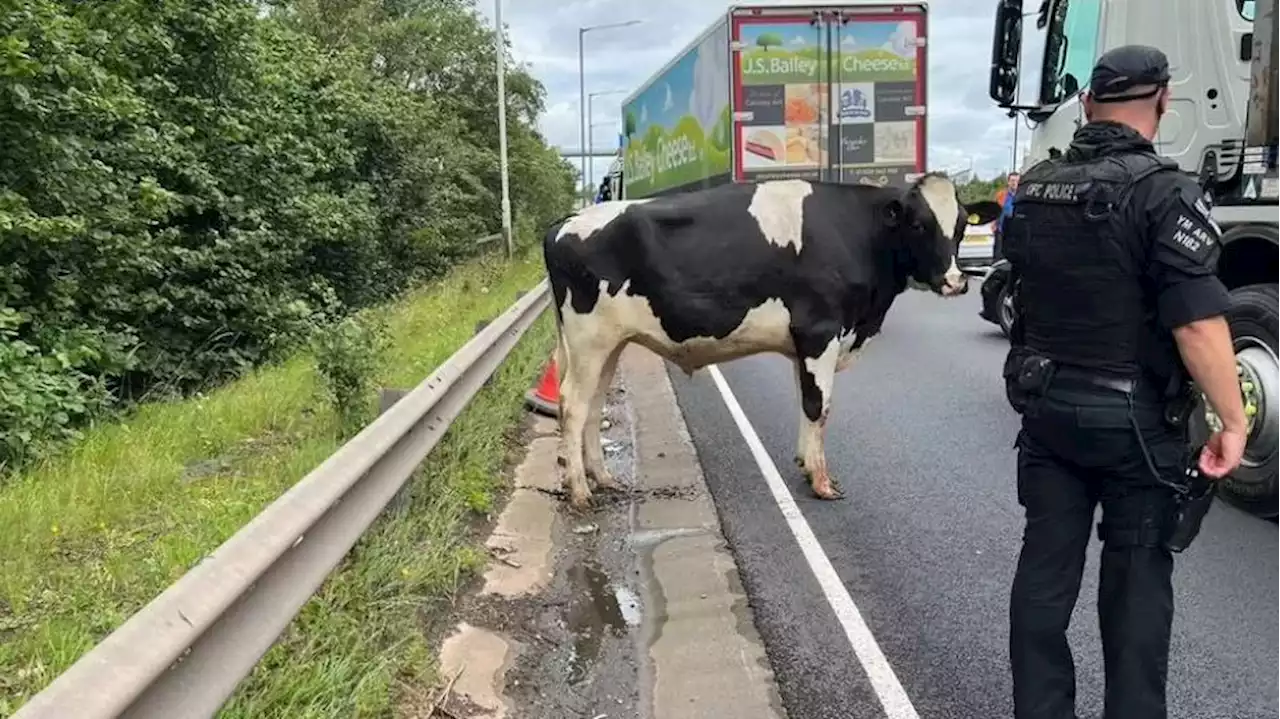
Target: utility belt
(1029, 378)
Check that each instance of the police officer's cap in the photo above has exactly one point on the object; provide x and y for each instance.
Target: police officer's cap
(1126, 67)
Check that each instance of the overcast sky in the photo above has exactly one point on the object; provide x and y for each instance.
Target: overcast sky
(965, 128)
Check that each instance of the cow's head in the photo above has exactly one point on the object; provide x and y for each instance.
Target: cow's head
(928, 221)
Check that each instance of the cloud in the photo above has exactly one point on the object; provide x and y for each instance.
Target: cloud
(964, 126)
(903, 40)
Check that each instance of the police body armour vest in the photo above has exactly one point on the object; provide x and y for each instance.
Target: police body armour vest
(1080, 266)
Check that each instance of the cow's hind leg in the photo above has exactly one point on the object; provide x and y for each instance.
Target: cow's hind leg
(585, 364)
(592, 447)
(817, 354)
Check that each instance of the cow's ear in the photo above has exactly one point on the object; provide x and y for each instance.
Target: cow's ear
(893, 212)
(982, 212)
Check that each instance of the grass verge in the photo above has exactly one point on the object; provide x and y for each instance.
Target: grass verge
(89, 537)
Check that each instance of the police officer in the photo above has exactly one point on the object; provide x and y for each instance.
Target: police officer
(1113, 253)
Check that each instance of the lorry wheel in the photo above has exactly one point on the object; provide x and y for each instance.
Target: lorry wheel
(1252, 317)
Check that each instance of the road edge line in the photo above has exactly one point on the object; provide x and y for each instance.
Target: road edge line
(893, 698)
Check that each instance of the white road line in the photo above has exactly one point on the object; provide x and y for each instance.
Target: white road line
(883, 681)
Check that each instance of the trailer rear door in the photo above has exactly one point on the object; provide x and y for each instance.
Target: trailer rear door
(829, 93)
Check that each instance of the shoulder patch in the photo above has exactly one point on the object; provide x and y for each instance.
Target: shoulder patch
(1201, 205)
(1190, 234)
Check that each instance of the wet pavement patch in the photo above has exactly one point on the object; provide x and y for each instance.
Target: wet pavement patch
(594, 612)
(582, 643)
(577, 645)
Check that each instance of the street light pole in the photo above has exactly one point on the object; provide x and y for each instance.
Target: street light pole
(591, 150)
(501, 52)
(590, 146)
(582, 108)
(582, 93)
(1014, 168)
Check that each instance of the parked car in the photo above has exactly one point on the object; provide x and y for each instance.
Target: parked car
(997, 305)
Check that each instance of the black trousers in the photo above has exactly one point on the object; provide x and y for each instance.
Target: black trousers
(1077, 449)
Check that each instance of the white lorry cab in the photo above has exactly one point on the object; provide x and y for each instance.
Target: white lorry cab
(1221, 126)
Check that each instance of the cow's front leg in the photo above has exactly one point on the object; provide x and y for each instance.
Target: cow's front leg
(818, 354)
(802, 438)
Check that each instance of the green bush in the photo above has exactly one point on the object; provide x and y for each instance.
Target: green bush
(46, 393)
(188, 188)
(348, 356)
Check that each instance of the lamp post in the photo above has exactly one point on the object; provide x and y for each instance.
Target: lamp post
(582, 90)
(501, 52)
(590, 147)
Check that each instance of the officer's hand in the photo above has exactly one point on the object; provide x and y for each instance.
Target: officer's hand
(1222, 453)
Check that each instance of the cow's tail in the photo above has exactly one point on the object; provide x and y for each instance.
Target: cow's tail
(559, 290)
(554, 263)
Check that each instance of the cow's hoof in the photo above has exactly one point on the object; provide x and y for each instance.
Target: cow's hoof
(827, 490)
(579, 503)
(606, 482)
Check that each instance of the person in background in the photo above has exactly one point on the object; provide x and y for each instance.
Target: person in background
(1006, 205)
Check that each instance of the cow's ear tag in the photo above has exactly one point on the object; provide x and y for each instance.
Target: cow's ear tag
(974, 218)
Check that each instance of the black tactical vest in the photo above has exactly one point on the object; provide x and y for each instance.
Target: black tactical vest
(1080, 267)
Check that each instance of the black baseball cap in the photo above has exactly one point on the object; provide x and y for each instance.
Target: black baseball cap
(1126, 67)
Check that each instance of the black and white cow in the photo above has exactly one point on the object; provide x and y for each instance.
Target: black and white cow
(804, 269)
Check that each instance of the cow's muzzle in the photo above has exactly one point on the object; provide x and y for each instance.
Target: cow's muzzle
(951, 287)
(953, 283)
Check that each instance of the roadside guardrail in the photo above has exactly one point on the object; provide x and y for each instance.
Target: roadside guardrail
(184, 653)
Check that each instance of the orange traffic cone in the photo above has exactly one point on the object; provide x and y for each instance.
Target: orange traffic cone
(545, 397)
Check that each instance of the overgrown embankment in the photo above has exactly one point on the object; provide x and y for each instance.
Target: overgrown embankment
(88, 538)
(213, 215)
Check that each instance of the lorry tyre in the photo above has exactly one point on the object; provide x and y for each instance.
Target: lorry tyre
(1252, 317)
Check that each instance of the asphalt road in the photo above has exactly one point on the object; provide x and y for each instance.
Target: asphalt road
(926, 541)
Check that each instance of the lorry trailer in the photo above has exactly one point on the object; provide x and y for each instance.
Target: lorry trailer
(833, 92)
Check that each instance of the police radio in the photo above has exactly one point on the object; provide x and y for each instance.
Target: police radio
(1195, 496)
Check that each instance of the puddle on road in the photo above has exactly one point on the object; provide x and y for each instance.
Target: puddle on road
(646, 540)
(600, 608)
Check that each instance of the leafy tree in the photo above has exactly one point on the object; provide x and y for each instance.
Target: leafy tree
(188, 188)
(978, 189)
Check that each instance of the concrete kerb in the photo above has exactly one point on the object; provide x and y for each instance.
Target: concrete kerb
(695, 647)
(707, 659)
